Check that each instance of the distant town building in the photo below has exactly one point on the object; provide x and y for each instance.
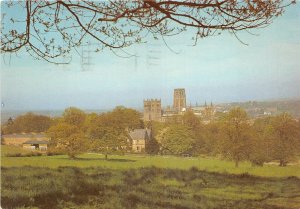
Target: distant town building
(152, 110)
(179, 99)
(139, 139)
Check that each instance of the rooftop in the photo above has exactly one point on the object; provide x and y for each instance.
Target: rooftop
(25, 135)
(139, 133)
(36, 142)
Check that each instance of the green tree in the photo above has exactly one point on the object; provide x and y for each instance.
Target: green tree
(236, 136)
(286, 138)
(68, 139)
(262, 146)
(207, 143)
(155, 128)
(192, 121)
(74, 116)
(126, 118)
(109, 131)
(111, 141)
(177, 139)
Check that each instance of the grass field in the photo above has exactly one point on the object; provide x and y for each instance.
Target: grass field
(140, 161)
(136, 181)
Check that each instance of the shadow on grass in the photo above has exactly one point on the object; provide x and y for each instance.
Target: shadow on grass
(98, 159)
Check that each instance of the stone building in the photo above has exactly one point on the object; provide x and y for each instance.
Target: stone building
(36, 145)
(139, 139)
(152, 110)
(179, 99)
(19, 139)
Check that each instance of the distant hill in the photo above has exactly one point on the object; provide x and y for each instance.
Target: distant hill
(257, 108)
(6, 114)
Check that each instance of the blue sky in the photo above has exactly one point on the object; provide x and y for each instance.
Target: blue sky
(219, 69)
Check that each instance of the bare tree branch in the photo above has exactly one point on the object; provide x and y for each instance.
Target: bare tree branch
(50, 30)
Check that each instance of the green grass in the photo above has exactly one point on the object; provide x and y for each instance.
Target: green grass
(140, 161)
(159, 188)
(140, 182)
(5, 149)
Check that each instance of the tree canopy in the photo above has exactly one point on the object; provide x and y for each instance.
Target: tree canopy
(51, 29)
(236, 135)
(177, 140)
(27, 123)
(74, 116)
(285, 133)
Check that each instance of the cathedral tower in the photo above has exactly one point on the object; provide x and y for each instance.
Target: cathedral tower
(152, 110)
(179, 99)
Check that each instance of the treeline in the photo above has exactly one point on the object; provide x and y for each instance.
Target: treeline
(77, 132)
(27, 123)
(233, 135)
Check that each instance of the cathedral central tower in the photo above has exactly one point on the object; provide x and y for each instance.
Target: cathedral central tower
(179, 99)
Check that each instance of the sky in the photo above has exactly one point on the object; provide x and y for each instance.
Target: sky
(219, 69)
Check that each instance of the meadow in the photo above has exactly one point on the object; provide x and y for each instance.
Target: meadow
(139, 181)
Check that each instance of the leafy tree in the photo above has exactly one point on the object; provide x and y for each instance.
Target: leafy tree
(68, 139)
(110, 141)
(119, 24)
(177, 139)
(29, 122)
(262, 147)
(156, 128)
(74, 116)
(152, 146)
(126, 118)
(286, 138)
(192, 121)
(74, 144)
(236, 136)
(207, 143)
(109, 131)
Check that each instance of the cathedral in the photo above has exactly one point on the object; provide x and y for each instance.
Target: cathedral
(153, 110)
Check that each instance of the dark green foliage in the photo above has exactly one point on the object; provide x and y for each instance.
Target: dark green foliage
(152, 147)
(177, 140)
(70, 187)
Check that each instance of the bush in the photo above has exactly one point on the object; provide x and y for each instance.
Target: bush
(51, 153)
(28, 154)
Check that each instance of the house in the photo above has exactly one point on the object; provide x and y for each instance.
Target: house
(140, 139)
(19, 139)
(36, 145)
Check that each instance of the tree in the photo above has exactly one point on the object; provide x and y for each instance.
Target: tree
(126, 118)
(110, 141)
(286, 138)
(74, 116)
(109, 131)
(156, 129)
(177, 139)
(29, 122)
(49, 30)
(68, 139)
(236, 136)
(207, 143)
(191, 120)
(262, 144)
